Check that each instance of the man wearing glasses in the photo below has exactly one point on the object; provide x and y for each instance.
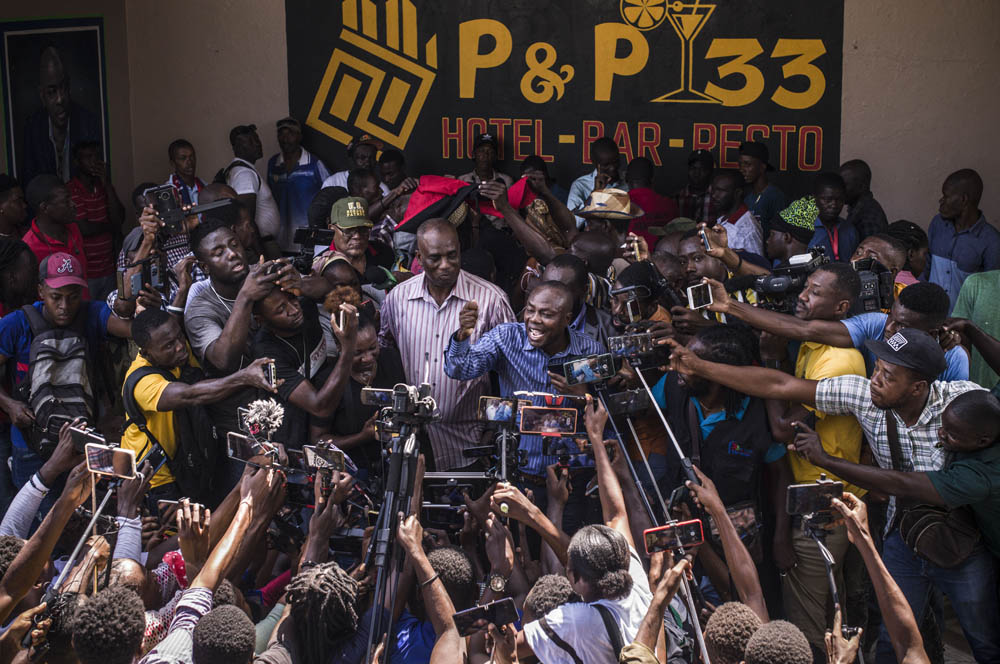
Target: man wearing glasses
(371, 259)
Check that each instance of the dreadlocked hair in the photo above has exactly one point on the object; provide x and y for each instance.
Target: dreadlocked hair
(734, 345)
(324, 609)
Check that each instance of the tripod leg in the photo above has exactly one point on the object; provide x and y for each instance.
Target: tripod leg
(649, 471)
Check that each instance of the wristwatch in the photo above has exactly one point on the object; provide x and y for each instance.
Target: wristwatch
(497, 582)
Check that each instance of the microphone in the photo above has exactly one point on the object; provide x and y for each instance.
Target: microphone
(741, 283)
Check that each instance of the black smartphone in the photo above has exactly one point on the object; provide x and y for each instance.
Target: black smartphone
(812, 497)
(500, 612)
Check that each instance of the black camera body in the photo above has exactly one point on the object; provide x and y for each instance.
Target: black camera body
(779, 291)
(170, 211)
(877, 288)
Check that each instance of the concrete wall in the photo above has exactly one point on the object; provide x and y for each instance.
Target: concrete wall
(117, 58)
(920, 98)
(919, 87)
(200, 68)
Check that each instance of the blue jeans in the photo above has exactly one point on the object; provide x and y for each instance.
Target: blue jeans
(971, 587)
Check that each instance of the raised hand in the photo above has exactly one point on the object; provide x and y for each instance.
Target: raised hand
(193, 521)
(596, 418)
(467, 319)
(557, 483)
(254, 375)
(807, 444)
(410, 534)
(855, 515)
(705, 494)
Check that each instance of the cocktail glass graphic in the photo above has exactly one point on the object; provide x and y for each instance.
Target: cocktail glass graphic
(687, 20)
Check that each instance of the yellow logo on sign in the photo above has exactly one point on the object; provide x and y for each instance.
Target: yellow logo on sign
(375, 80)
(643, 14)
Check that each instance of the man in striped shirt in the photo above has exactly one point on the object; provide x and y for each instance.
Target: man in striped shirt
(99, 216)
(523, 355)
(417, 317)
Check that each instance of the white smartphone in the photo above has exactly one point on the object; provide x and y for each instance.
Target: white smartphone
(699, 296)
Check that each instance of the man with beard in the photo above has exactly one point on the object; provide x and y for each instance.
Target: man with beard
(961, 240)
(904, 401)
(371, 260)
(217, 316)
(415, 318)
(525, 356)
(838, 238)
(353, 425)
(295, 175)
(828, 295)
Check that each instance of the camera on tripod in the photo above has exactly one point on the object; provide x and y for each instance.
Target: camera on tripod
(406, 402)
(779, 291)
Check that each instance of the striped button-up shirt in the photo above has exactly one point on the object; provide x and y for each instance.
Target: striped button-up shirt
(177, 646)
(851, 395)
(521, 367)
(417, 325)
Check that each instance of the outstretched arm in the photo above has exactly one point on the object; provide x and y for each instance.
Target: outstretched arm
(899, 621)
(465, 361)
(755, 381)
(832, 333)
(612, 498)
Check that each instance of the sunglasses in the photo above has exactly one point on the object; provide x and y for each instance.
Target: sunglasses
(357, 231)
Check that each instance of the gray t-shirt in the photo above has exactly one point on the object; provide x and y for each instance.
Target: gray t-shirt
(205, 316)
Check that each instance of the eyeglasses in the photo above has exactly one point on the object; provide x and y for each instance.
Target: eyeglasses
(356, 231)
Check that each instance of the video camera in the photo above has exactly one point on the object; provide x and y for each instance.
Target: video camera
(406, 403)
(309, 239)
(877, 288)
(149, 274)
(779, 291)
(170, 211)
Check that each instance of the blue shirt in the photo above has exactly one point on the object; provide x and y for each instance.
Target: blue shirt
(520, 367)
(293, 192)
(847, 240)
(582, 188)
(16, 337)
(956, 255)
(872, 326)
(766, 205)
(415, 640)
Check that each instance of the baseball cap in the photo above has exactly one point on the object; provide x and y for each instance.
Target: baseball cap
(239, 130)
(483, 139)
(61, 269)
(288, 122)
(758, 150)
(913, 349)
(703, 156)
(350, 212)
(364, 139)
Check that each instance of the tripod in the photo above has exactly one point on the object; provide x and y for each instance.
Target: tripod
(601, 389)
(399, 487)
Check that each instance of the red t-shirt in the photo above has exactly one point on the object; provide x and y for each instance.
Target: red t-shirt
(92, 207)
(43, 246)
(659, 211)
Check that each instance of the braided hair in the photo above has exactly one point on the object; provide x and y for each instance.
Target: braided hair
(323, 601)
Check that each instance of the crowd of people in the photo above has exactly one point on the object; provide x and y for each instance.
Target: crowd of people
(811, 388)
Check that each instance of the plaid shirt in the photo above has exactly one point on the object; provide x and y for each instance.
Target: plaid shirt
(695, 206)
(851, 395)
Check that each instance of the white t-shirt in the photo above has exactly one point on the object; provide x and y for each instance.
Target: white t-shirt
(580, 625)
(245, 179)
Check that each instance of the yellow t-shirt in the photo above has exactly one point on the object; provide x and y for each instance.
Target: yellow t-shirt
(840, 434)
(160, 424)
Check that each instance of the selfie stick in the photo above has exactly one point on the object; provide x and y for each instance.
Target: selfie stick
(685, 588)
(54, 587)
(686, 464)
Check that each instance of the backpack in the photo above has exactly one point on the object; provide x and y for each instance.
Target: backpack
(197, 451)
(222, 175)
(58, 386)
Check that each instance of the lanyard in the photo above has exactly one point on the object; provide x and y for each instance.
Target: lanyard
(835, 241)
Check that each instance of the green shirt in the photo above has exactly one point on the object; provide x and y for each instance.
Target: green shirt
(973, 479)
(979, 301)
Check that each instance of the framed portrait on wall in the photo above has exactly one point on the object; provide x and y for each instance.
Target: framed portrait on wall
(54, 93)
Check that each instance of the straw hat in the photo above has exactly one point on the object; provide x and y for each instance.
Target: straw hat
(609, 204)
